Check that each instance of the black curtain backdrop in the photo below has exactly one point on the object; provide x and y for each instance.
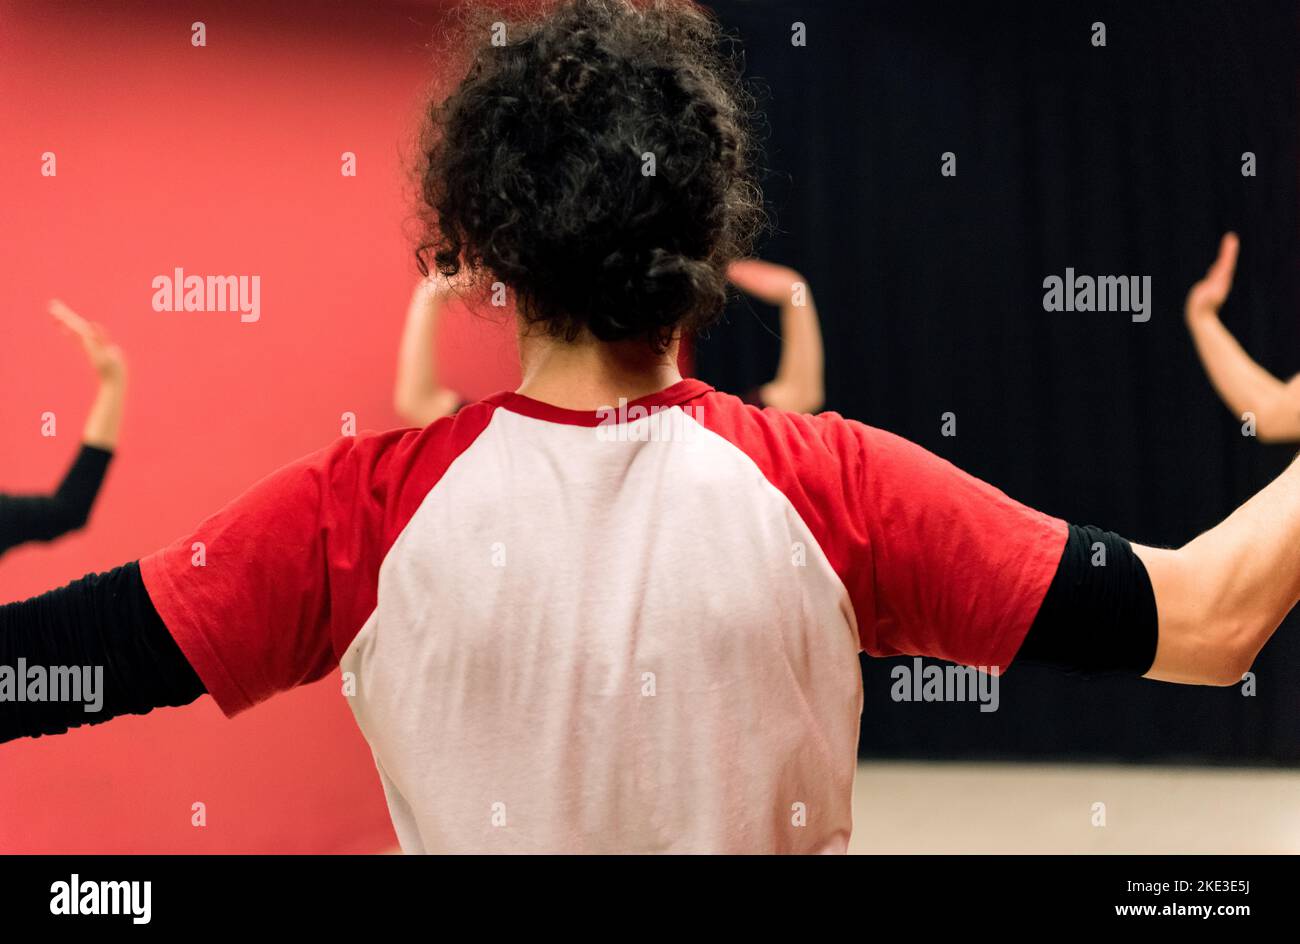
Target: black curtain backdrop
(1122, 160)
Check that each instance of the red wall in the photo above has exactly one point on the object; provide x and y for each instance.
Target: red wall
(222, 160)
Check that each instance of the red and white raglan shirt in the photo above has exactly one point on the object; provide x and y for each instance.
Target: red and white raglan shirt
(633, 630)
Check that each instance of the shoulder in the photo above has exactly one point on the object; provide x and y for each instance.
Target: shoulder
(786, 444)
(392, 471)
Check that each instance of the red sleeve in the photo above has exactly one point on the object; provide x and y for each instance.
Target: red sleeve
(268, 593)
(935, 562)
(957, 570)
(259, 593)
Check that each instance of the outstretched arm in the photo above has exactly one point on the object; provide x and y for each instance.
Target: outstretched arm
(1221, 596)
(799, 384)
(418, 397)
(240, 608)
(1243, 384)
(1212, 603)
(954, 569)
(101, 642)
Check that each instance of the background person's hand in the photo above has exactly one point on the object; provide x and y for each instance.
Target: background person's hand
(105, 356)
(799, 385)
(1207, 296)
(766, 281)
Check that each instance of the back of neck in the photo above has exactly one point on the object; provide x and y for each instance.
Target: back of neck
(588, 374)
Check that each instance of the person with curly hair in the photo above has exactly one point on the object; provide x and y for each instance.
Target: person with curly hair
(420, 398)
(615, 610)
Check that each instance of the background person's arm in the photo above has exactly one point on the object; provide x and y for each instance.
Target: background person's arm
(104, 423)
(283, 566)
(26, 518)
(799, 384)
(105, 627)
(418, 397)
(1242, 383)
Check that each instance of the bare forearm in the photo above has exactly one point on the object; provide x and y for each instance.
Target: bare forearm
(417, 389)
(801, 365)
(1244, 385)
(104, 423)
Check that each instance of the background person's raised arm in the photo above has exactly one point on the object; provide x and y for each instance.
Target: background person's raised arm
(799, 384)
(26, 518)
(418, 397)
(104, 423)
(1242, 383)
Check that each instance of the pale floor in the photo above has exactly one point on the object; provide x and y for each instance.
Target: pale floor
(901, 808)
(1048, 808)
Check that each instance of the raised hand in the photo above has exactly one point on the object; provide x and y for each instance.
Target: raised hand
(105, 419)
(767, 281)
(799, 383)
(105, 356)
(1207, 296)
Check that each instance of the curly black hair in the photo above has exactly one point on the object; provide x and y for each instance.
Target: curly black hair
(599, 164)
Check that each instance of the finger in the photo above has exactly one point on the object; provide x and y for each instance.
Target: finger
(67, 316)
(1226, 264)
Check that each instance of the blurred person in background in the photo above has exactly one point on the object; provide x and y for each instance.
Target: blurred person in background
(799, 384)
(1242, 384)
(420, 398)
(26, 518)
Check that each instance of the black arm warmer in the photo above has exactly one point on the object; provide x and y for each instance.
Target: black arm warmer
(1097, 618)
(103, 621)
(26, 518)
